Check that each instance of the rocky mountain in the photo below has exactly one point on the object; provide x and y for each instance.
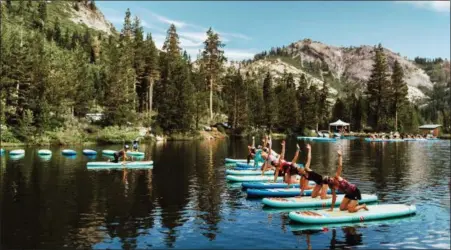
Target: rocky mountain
(341, 64)
(92, 17)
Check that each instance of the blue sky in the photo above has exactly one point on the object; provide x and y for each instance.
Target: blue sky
(410, 28)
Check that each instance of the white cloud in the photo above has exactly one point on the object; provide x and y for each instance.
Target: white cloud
(237, 54)
(439, 6)
(191, 36)
(236, 35)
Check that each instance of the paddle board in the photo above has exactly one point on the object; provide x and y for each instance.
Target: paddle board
(135, 153)
(108, 152)
(17, 152)
(127, 164)
(245, 165)
(278, 192)
(324, 139)
(375, 212)
(89, 152)
(68, 152)
(44, 152)
(248, 172)
(251, 178)
(269, 185)
(311, 202)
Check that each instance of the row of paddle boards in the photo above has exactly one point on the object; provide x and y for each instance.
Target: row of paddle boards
(88, 152)
(71, 152)
(278, 195)
(399, 140)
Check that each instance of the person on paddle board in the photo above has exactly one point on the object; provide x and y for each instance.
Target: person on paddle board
(135, 145)
(289, 169)
(121, 153)
(271, 158)
(310, 175)
(352, 193)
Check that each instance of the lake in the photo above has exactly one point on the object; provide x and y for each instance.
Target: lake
(185, 201)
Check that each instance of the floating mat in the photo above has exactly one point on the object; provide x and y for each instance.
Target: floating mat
(324, 139)
(376, 212)
(383, 140)
(17, 152)
(108, 152)
(248, 172)
(245, 165)
(251, 178)
(127, 164)
(44, 152)
(348, 137)
(306, 137)
(268, 185)
(278, 192)
(89, 152)
(68, 152)
(311, 202)
(135, 153)
(239, 168)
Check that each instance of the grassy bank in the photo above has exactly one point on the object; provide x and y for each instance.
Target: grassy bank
(94, 135)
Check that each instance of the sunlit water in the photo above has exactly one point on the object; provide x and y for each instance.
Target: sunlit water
(185, 201)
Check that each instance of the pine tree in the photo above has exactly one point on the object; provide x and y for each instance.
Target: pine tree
(323, 104)
(269, 101)
(139, 63)
(8, 5)
(127, 27)
(172, 43)
(378, 88)
(57, 33)
(21, 8)
(398, 90)
(302, 97)
(42, 9)
(287, 104)
(151, 68)
(213, 60)
(338, 110)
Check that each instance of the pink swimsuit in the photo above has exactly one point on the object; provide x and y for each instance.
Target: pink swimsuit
(346, 187)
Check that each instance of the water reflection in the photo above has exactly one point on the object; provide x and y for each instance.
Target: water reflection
(186, 202)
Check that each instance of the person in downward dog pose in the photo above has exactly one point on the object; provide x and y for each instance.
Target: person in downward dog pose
(289, 170)
(352, 193)
(310, 175)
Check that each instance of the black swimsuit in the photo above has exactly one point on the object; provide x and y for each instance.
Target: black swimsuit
(313, 176)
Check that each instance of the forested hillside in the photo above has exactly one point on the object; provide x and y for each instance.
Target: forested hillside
(56, 69)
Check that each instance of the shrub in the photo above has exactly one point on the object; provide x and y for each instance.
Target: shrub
(116, 135)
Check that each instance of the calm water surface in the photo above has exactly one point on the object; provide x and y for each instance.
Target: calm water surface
(185, 201)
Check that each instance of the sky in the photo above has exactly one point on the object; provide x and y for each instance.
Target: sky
(410, 28)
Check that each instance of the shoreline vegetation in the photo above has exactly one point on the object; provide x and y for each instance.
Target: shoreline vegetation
(118, 138)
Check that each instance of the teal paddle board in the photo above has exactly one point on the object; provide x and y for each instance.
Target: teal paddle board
(296, 202)
(375, 212)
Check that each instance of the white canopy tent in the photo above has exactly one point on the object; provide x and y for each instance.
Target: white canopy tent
(339, 123)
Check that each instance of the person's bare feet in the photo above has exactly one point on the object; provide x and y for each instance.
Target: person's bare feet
(364, 207)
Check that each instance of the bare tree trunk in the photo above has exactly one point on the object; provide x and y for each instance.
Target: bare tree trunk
(234, 112)
(211, 100)
(396, 120)
(150, 94)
